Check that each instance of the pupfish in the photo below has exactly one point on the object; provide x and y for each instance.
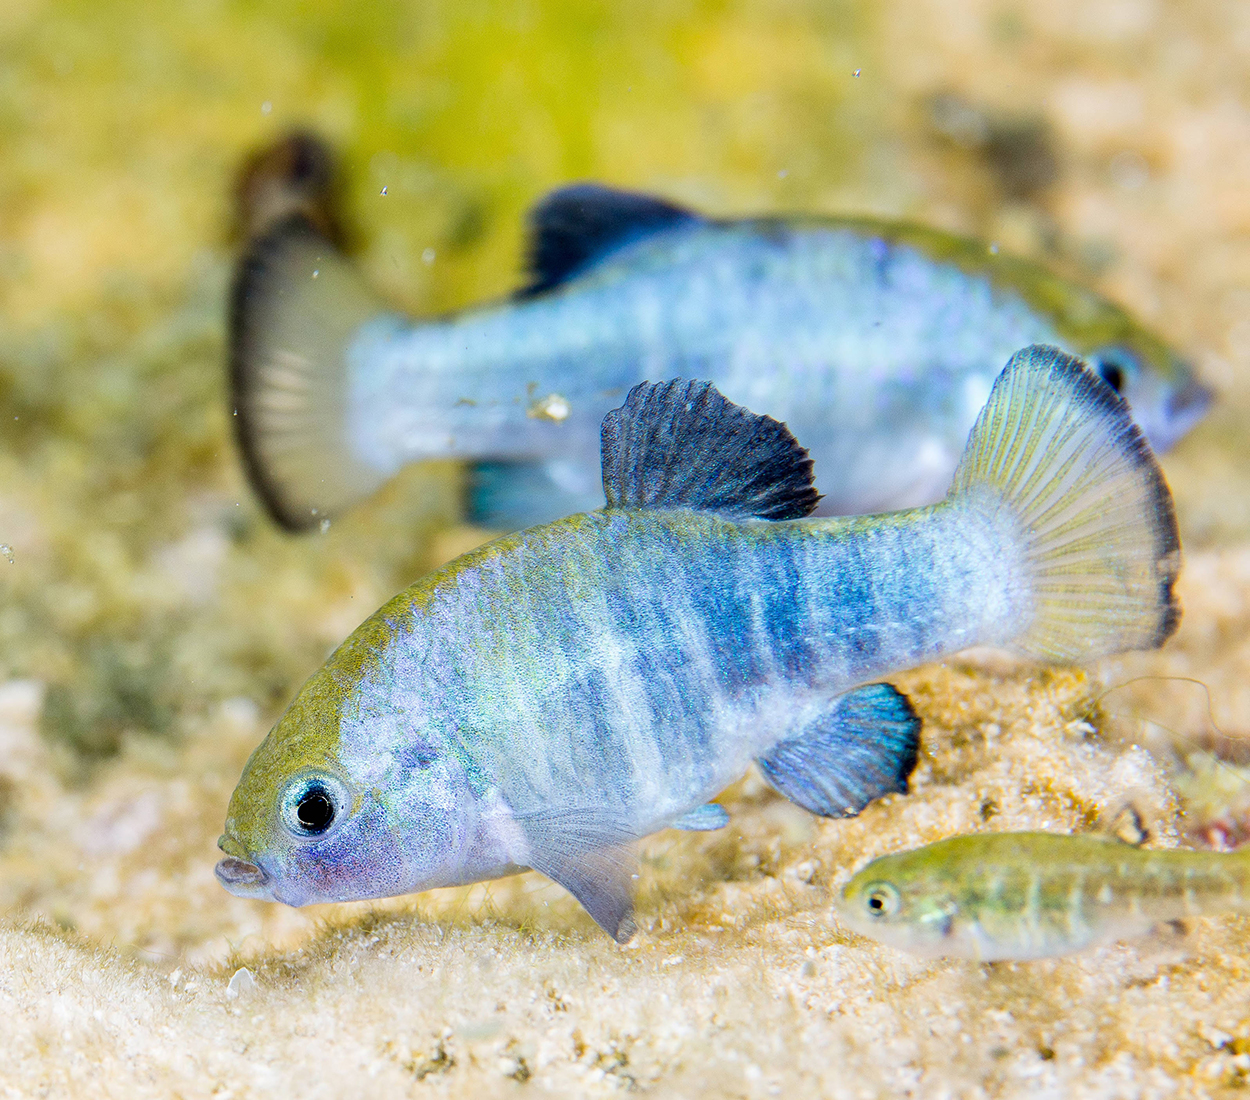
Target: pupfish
(875, 342)
(550, 698)
(1031, 895)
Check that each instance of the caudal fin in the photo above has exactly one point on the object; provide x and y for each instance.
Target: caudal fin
(296, 174)
(1056, 460)
(296, 305)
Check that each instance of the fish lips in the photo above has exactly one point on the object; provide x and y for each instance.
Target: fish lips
(1184, 409)
(242, 877)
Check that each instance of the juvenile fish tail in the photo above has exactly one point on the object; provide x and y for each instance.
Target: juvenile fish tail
(1057, 467)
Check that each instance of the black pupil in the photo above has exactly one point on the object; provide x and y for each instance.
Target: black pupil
(1112, 375)
(315, 811)
(875, 903)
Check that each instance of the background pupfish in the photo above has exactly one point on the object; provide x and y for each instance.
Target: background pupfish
(1030, 895)
(549, 698)
(875, 342)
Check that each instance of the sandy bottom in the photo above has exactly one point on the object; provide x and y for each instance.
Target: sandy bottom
(741, 982)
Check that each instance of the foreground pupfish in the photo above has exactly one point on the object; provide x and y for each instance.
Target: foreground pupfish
(1030, 895)
(549, 698)
(876, 343)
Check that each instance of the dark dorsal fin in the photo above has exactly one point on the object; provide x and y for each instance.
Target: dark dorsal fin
(683, 445)
(574, 226)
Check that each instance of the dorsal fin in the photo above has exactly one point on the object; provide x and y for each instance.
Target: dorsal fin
(576, 225)
(682, 444)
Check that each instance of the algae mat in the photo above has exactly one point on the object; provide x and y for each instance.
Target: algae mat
(152, 623)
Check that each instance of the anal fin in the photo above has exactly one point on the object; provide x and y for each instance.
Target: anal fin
(864, 746)
(703, 819)
(587, 851)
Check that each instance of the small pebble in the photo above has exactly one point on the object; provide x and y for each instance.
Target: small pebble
(242, 984)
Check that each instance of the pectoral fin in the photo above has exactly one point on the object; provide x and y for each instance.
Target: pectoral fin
(703, 819)
(863, 747)
(587, 852)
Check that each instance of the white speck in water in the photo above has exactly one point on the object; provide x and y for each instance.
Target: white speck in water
(427, 257)
(856, 72)
(384, 190)
(7, 551)
(325, 526)
(316, 272)
(266, 107)
(242, 984)
(783, 173)
(552, 407)
(994, 249)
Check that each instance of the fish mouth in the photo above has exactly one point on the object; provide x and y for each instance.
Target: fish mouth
(1185, 408)
(1190, 402)
(242, 877)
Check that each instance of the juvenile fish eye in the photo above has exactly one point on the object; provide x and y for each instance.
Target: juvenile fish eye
(882, 900)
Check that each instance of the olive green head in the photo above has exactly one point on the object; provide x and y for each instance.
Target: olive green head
(908, 900)
(293, 822)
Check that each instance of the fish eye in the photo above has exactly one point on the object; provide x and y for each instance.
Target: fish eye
(1115, 366)
(313, 804)
(881, 900)
(315, 811)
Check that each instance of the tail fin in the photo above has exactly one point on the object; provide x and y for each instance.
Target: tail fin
(1056, 454)
(296, 304)
(296, 174)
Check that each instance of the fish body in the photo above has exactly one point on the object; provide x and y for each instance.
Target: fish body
(553, 696)
(1032, 895)
(642, 693)
(876, 343)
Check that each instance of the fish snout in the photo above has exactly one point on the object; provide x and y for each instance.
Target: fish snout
(242, 878)
(1180, 413)
(1189, 404)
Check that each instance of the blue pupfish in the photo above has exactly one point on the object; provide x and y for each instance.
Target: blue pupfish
(1031, 895)
(875, 342)
(553, 696)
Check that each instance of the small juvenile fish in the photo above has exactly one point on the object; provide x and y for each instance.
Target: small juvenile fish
(876, 343)
(1032, 895)
(551, 697)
